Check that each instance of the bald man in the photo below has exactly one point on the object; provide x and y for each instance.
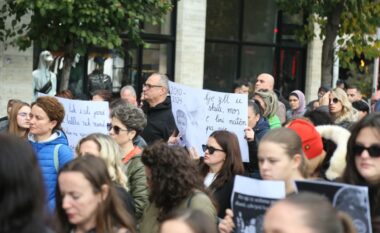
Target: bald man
(266, 82)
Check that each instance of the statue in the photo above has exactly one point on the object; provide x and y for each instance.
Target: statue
(97, 80)
(44, 80)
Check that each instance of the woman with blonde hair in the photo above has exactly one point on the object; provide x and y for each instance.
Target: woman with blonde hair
(19, 120)
(340, 108)
(105, 147)
(269, 103)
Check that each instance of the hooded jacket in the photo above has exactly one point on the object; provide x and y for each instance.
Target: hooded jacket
(45, 156)
(160, 122)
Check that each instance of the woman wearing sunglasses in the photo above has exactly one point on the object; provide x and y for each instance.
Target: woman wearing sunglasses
(340, 108)
(19, 120)
(127, 121)
(222, 161)
(363, 162)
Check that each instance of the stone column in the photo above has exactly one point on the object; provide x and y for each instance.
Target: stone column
(190, 42)
(15, 75)
(313, 67)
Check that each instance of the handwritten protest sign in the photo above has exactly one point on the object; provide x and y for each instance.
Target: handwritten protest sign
(351, 199)
(250, 199)
(83, 118)
(198, 113)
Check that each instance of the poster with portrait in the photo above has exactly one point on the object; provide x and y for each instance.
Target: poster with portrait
(350, 199)
(250, 199)
(198, 113)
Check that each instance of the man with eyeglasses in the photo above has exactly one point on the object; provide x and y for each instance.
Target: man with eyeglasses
(157, 107)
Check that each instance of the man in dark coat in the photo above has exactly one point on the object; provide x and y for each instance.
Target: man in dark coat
(157, 108)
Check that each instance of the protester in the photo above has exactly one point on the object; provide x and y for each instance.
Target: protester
(268, 102)
(222, 161)
(67, 94)
(297, 105)
(353, 93)
(258, 126)
(19, 120)
(241, 86)
(341, 109)
(49, 141)
(174, 183)
(128, 94)
(281, 157)
(264, 82)
(127, 121)
(105, 147)
(363, 162)
(22, 192)
(309, 213)
(102, 95)
(87, 200)
(4, 120)
(188, 221)
(157, 107)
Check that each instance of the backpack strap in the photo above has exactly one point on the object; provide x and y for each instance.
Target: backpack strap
(56, 159)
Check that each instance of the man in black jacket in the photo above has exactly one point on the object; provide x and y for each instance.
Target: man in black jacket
(157, 108)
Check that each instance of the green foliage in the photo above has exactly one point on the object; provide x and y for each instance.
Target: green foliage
(74, 25)
(356, 29)
(361, 80)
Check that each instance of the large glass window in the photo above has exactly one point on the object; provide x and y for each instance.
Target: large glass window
(260, 21)
(220, 66)
(256, 60)
(245, 38)
(222, 19)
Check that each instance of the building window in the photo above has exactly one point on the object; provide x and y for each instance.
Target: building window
(245, 38)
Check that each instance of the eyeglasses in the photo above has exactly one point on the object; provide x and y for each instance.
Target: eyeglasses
(335, 100)
(148, 86)
(210, 149)
(115, 128)
(373, 151)
(23, 114)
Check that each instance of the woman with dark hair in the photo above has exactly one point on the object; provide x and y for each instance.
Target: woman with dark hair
(102, 95)
(188, 221)
(222, 161)
(105, 147)
(49, 141)
(258, 126)
(174, 183)
(297, 105)
(127, 121)
(19, 120)
(21, 185)
(363, 162)
(87, 200)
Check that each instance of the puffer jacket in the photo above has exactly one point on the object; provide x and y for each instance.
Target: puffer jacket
(45, 155)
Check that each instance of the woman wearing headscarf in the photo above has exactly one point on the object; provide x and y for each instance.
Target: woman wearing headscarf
(297, 104)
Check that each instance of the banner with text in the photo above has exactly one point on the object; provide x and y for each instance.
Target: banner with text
(250, 199)
(198, 113)
(83, 118)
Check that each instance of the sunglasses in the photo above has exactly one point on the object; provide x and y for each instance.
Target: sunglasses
(115, 128)
(335, 100)
(210, 149)
(373, 151)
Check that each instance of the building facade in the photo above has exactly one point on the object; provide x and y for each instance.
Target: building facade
(202, 43)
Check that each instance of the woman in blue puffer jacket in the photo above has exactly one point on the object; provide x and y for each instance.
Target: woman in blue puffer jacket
(49, 141)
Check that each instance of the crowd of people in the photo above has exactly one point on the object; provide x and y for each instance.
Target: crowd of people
(139, 178)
